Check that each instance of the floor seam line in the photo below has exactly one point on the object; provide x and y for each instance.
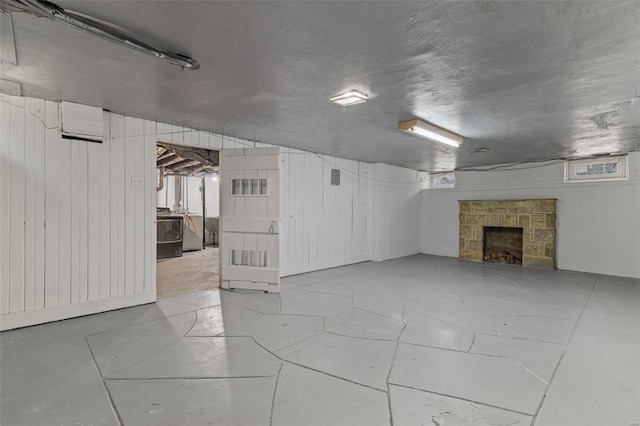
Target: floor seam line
(461, 398)
(334, 376)
(137, 323)
(359, 337)
(104, 385)
(555, 370)
(125, 379)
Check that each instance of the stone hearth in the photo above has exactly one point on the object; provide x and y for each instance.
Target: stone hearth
(536, 217)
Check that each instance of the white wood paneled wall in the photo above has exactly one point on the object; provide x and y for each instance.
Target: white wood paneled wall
(396, 218)
(322, 225)
(374, 214)
(77, 219)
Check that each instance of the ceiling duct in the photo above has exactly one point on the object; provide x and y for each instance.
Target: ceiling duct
(101, 29)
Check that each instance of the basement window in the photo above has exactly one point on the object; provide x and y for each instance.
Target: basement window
(442, 180)
(596, 169)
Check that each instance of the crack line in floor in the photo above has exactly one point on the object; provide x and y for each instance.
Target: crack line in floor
(393, 361)
(275, 389)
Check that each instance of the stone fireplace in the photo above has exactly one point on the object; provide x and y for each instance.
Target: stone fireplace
(509, 231)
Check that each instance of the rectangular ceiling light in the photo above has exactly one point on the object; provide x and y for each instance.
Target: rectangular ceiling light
(352, 97)
(429, 131)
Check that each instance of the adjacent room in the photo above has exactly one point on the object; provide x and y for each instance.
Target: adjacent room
(187, 223)
(320, 213)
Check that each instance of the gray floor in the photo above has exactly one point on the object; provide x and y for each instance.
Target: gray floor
(421, 340)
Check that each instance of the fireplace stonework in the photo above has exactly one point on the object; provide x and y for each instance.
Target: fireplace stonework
(537, 217)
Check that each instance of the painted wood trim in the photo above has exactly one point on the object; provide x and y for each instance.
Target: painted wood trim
(56, 313)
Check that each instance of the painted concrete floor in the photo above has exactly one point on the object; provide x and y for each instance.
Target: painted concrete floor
(422, 340)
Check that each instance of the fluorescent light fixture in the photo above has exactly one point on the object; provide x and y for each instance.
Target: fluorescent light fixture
(429, 131)
(352, 97)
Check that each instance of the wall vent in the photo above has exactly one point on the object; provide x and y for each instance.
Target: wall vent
(81, 122)
(335, 176)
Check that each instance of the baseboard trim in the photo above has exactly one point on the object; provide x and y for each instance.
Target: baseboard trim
(302, 269)
(56, 313)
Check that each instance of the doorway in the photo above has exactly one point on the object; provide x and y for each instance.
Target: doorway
(188, 213)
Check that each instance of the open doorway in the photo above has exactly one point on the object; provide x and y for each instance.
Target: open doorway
(188, 213)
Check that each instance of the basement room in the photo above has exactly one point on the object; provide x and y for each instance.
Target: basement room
(320, 213)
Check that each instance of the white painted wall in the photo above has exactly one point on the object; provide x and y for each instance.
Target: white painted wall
(374, 214)
(77, 235)
(598, 222)
(97, 250)
(396, 208)
(98, 201)
(322, 225)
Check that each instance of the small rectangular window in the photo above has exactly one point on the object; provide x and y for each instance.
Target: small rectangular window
(249, 187)
(596, 169)
(442, 180)
(256, 258)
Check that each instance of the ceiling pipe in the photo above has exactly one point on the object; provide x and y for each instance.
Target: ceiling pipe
(103, 30)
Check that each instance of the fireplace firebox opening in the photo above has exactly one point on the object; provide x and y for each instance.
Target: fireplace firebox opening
(502, 245)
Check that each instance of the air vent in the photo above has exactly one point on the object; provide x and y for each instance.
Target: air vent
(335, 176)
(81, 122)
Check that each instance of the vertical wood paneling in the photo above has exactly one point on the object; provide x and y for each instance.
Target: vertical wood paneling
(284, 212)
(139, 214)
(5, 193)
(39, 173)
(129, 193)
(30, 205)
(64, 221)
(17, 206)
(322, 225)
(93, 208)
(104, 200)
(83, 221)
(150, 206)
(109, 222)
(120, 181)
(396, 223)
(51, 204)
(76, 195)
(112, 123)
(325, 225)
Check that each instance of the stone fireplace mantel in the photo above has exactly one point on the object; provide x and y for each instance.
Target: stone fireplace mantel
(536, 217)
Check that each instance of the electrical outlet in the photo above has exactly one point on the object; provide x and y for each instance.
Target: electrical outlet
(137, 182)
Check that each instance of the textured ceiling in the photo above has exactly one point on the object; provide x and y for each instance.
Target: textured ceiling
(530, 80)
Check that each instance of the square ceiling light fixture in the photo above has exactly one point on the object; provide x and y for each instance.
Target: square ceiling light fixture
(429, 131)
(352, 97)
